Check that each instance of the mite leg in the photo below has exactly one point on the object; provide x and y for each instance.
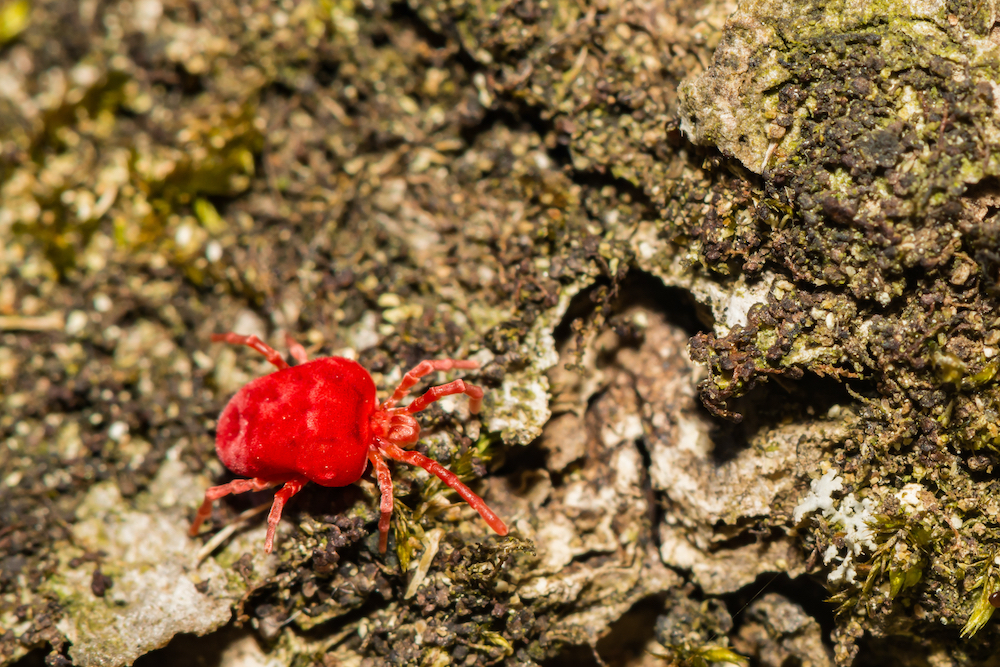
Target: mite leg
(422, 369)
(290, 488)
(295, 348)
(385, 504)
(256, 343)
(393, 451)
(216, 492)
(474, 393)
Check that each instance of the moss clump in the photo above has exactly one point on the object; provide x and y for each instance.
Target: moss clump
(875, 133)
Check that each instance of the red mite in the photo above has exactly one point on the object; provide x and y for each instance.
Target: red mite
(319, 421)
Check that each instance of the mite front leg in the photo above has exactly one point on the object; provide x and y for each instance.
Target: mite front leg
(216, 492)
(422, 369)
(474, 393)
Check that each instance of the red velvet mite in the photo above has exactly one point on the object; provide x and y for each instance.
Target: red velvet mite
(319, 422)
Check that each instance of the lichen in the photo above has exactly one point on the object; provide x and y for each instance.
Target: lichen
(155, 590)
(850, 516)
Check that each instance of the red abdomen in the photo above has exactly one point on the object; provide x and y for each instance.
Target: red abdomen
(307, 421)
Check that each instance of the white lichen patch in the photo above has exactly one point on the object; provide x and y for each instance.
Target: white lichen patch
(737, 303)
(520, 408)
(852, 515)
(729, 303)
(714, 107)
(628, 466)
(820, 496)
(909, 498)
(157, 590)
(627, 428)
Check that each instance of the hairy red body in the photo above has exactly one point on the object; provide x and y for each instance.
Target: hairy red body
(319, 421)
(310, 420)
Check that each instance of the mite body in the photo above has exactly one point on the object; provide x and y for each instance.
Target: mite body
(320, 422)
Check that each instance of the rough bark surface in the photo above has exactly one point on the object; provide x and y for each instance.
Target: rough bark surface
(730, 271)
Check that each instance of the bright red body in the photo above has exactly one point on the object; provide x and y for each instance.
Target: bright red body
(310, 421)
(319, 421)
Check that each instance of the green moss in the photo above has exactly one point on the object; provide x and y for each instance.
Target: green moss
(985, 584)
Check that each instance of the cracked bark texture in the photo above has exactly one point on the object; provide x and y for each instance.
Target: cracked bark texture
(730, 270)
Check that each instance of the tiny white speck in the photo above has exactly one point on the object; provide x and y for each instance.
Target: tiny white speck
(102, 303)
(213, 251)
(117, 431)
(183, 235)
(346, 353)
(84, 75)
(146, 14)
(909, 497)
(75, 323)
